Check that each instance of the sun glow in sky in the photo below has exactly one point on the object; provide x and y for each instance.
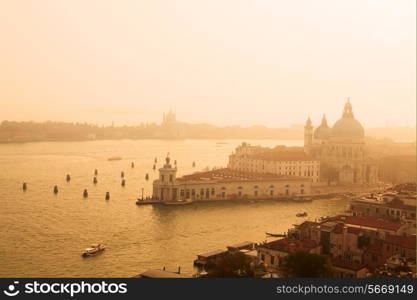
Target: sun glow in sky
(269, 62)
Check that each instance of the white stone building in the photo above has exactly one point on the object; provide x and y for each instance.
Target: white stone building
(226, 184)
(281, 160)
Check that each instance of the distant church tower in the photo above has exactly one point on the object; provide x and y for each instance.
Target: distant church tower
(308, 134)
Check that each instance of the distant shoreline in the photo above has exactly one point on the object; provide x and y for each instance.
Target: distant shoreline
(159, 139)
(168, 139)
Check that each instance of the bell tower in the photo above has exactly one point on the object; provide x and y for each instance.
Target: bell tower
(308, 133)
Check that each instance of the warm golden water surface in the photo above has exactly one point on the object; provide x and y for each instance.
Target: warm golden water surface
(43, 234)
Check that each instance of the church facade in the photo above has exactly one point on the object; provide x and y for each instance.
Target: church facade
(341, 150)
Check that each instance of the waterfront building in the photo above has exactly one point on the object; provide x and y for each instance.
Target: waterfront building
(341, 149)
(388, 206)
(281, 160)
(357, 244)
(226, 184)
(403, 247)
(272, 254)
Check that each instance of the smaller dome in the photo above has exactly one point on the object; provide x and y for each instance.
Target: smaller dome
(323, 131)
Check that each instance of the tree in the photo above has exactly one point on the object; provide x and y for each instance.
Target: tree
(304, 264)
(233, 264)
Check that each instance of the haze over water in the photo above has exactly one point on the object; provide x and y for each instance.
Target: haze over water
(43, 234)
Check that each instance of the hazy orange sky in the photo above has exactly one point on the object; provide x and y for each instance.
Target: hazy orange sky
(266, 62)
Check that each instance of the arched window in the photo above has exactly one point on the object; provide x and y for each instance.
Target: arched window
(255, 187)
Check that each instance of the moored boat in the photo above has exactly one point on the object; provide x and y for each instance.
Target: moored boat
(93, 250)
(114, 158)
(304, 214)
(179, 202)
(276, 234)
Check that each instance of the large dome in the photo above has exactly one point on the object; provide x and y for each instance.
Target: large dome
(348, 127)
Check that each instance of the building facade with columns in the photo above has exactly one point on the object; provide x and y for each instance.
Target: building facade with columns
(226, 184)
(341, 149)
(281, 160)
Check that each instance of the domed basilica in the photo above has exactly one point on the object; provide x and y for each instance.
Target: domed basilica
(341, 149)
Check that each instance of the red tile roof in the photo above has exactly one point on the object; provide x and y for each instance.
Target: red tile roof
(227, 175)
(399, 205)
(369, 222)
(308, 224)
(408, 242)
(282, 156)
(290, 245)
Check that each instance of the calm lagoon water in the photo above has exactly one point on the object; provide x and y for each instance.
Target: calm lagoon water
(42, 234)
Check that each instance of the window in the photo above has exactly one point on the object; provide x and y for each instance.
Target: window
(272, 260)
(212, 192)
(262, 257)
(223, 194)
(271, 192)
(170, 178)
(202, 192)
(256, 193)
(162, 177)
(193, 192)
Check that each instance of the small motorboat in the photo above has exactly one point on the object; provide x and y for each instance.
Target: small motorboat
(276, 234)
(179, 202)
(304, 214)
(93, 250)
(114, 158)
